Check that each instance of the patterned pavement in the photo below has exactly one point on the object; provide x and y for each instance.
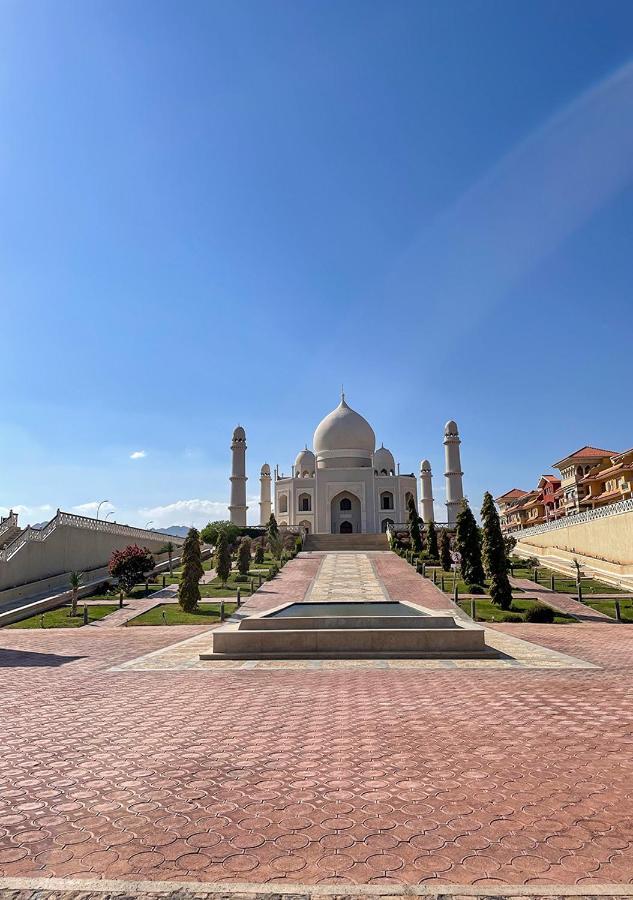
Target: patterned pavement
(562, 602)
(360, 776)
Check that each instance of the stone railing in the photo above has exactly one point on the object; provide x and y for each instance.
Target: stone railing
(84, 522)
(614, 509)
(8, 522)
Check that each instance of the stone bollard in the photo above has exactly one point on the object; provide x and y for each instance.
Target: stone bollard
(238, 598)
(511, 570)
(536, 574)
(473, 610)
(260, 579)
(147, 587)
(618, 614)
(164, 581)
(42, 620)
(455, 592)
(164, 617)
(434, 576)
(551, 582)
(120, 599)
(221, 610)
(85, 614)
(442, 581)
(423, 570)
(252, 585)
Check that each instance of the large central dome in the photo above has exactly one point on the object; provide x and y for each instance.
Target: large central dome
(344, 438)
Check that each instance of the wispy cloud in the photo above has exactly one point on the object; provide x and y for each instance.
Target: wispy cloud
(92, 506)
(138, 454)
(29, 514)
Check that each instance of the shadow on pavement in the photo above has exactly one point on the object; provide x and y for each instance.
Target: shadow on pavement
(19, 658)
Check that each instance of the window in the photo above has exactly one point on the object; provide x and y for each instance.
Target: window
(345, 504)
(283, 503)
(305, 503)
(386, 500)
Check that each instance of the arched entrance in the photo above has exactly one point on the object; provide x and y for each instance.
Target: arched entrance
(345, 511)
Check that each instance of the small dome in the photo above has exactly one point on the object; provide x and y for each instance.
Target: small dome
(451, 428)
(425, 466)
(265, 470)
(239, 434)
(344, 429)
(305, 462)
(384, 461)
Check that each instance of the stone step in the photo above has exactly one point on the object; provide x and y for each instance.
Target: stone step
(346, 542)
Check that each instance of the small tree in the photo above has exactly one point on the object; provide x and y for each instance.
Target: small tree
(494, 554)
(244, 556)
(272, 529)
(222, 557)
(76, 580)
(509, 543)
(192, 572)
(431, 540)
(168, 548)
(259, 555)
(275, 544)
(131, 565)
(445, 550)
(209, 534)
(414, 526)
(468, 543)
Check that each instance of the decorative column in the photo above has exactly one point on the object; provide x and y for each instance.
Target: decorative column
(265, 504)
(237, 506)
(426, 491)
(453, 473)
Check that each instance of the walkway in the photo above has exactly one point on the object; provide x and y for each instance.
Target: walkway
(562, 602)
(135, 607)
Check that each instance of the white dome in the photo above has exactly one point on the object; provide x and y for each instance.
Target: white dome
(305, 462)
(425, 466)
(265, 470)
(384, 461)
(239, 434)
(451, 428)
(344, 429)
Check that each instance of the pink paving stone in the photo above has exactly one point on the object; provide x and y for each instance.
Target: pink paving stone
(444, 774)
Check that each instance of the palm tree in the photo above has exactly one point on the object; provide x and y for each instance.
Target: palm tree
(169, 548)
(76, 580)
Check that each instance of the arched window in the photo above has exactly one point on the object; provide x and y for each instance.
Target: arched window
(283, 503)
(384, 472)
(345, 504)
(386, 500)
(305, 503)
(385, 523)
(305, 524)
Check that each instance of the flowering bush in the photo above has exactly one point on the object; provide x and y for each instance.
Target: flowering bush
(131, 565)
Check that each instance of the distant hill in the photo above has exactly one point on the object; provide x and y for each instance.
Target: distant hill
(174, 530)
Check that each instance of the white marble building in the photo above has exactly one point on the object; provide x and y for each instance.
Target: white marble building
(344, 484)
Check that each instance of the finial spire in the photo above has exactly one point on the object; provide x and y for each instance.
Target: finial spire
(342, 394)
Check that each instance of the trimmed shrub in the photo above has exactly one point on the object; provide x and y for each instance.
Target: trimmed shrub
(240, 579)
(540, 613)
(509, 617)
(476, 589)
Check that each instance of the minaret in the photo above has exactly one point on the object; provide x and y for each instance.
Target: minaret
(426, 491)
(237, 506)
(453, 473)
(265, 505)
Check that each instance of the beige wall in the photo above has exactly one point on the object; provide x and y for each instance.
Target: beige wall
(605, 544)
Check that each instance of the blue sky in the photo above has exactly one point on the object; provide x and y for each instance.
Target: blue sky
(217, 212)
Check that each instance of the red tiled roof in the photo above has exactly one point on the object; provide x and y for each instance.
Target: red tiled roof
(587, 453)
(514, 494)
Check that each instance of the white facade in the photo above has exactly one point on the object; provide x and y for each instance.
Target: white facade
(344, 485)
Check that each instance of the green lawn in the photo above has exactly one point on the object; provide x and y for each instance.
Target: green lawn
(608, 608)
(567, 585)
(486, 611)
(172, 614)
(61, 618)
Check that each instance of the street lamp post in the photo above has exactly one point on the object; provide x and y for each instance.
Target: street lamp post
(151, 522)
(111, 513)
(100, 505)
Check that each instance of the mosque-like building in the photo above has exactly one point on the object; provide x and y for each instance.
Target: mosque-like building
(344, 485)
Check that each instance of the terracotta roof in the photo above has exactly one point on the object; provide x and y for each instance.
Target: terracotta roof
(587, 453)
(514, 494)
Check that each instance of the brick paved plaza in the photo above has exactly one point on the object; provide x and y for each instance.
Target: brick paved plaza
(358, 774)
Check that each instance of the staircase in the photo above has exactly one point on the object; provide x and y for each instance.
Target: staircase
(346, 542)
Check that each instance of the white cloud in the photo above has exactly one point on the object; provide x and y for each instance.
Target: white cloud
(29, 514)
(138, 454)
(185, 512)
